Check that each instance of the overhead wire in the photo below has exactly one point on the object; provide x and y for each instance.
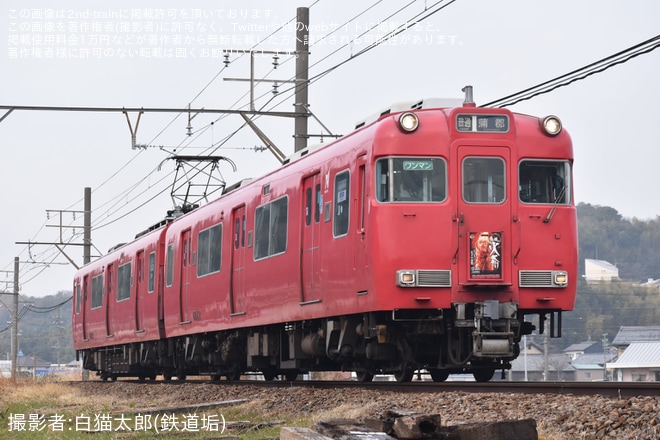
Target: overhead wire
(48, 309)
(578, 74)
(400, 29)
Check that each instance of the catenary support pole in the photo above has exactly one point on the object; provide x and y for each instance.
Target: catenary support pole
(302, 77)
(87, 226)
(14, 325)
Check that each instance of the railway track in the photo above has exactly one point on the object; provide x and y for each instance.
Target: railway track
(561, 410)
(621, 390)
(610, 389)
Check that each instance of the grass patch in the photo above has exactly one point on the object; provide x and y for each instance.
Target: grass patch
(54, 410)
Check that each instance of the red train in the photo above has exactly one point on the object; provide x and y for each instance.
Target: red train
(422, 240)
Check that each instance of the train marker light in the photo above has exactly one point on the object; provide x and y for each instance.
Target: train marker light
(551, 125)
(408, 122)
(560, 278)
(405, 278)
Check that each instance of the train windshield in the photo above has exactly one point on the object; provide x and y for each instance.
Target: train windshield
(484, 180)
(544, 181)
(411, 179)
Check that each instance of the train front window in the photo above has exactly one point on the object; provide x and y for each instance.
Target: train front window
(411, 179)
(544, 181)
(483, 180)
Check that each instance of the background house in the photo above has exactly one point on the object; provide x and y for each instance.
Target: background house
(588, 359)
(655, 284)
(574, 351)
(26, 366)
(629, 334)
(638, 350)
(532, 368)
(591, 366)
(640, 362)
(596, 271)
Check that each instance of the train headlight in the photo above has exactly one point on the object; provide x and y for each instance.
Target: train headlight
(405, 278)
(560, 278)
(408, 122)
(551, 125)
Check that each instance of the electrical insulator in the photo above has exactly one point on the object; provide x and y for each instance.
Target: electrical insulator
(276, 61)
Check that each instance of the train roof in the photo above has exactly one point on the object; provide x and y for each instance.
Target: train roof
(411, 105)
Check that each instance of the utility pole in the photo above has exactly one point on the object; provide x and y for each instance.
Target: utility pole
(58, 329)
(14, 325)
(87, 226)
(14, 321)
(302, 79)
(546, 352)
(605, 356)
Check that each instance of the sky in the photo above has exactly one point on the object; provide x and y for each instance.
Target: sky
(148, 54)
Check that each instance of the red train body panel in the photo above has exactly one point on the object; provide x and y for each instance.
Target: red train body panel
(116, 298)
(397, 247)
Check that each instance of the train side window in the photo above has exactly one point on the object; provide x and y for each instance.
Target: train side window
(308, 207)
(237, 233)
(124, 281)
(78, 298)
(152, 273)
(97, 291)
(261, 231)
(411, 179)
(319, 203)
(483, 180)
(544, 181)
(279, 226)
(243, 233)
(170, 265)
(209, 246)
(270, 228)
(86, 289)
(342, 203)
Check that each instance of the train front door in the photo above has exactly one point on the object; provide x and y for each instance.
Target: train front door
(311, 238)
(237, 284)
(484, 217)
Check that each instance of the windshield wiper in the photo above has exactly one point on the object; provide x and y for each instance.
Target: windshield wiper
(554, 206)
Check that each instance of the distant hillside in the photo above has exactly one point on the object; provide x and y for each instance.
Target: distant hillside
(632, 245)
(44, 328)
